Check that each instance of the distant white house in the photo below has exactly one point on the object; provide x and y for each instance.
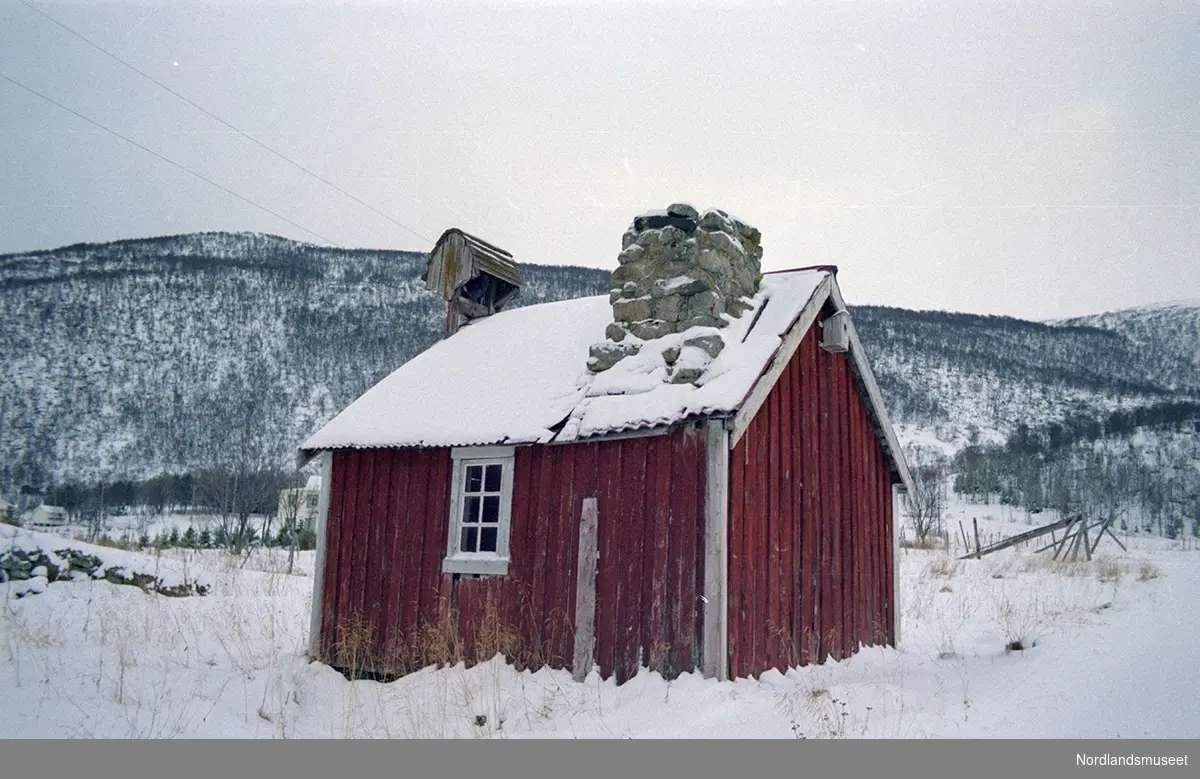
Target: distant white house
(46, 516)
(300, 503)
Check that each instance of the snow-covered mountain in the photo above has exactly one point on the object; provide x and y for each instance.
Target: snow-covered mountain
(948, 376)
(125, 359)
(129, 358)
(1167, 333)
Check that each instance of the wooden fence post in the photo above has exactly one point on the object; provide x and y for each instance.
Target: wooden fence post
(585, 593)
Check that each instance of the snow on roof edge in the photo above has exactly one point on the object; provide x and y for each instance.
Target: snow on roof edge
(367, 421)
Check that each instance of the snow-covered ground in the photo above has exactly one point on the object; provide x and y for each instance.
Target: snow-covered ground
(1111, 653)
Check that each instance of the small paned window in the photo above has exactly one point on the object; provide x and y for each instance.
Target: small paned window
(481, 508)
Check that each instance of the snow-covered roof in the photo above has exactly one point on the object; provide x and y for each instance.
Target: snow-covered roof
(520, 376)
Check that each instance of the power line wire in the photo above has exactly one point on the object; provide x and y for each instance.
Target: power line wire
(213, 116)
(167, 160)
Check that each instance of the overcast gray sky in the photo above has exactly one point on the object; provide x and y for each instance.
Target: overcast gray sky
(983, 157)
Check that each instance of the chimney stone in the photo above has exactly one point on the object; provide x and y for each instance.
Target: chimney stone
(679, 269)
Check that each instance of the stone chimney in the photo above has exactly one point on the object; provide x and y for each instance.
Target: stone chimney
(679, 269)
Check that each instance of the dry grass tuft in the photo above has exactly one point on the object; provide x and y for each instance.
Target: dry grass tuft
(1149, 571)
(944, 567)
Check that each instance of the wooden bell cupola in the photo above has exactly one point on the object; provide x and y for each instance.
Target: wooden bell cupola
(474, 277)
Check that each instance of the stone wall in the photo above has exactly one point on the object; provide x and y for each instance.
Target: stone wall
(678, 269)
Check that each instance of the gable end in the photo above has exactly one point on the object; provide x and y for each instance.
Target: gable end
(827, 295)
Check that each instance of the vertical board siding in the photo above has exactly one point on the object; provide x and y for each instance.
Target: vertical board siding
(388, 607)
(333, 522)
(607, 569)
(825, 434)
(789, 524)
(655, 546)
(810, 538)
(810, 486)
(630, 522)
(398, 500)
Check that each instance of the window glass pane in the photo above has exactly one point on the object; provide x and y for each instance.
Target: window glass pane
(474, 478)
(469, 537)
(470, 509)
(491, 508)
(487, 539)
(493, 478)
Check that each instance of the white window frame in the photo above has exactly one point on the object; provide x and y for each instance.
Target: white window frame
(480, 563)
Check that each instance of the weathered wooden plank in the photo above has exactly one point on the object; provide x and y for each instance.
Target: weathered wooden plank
(853, 514)
(419, 477)
(467, 595)
(586, 485)
(558, 607)
(844, 516)
(869, 525)
(894, 557)
(795, 498)
(396, 632)
(837, 439)
(384, 616)
(865, 435)
(885, 607)
(889, 554)
(333, 550)
(769, 458)
(585, 591)
(322, 522)
(375, 558)
(629, 587)
(752, 551)
(435, 533)
(606, 584)
(849, 518)
(697, 447)
(877, 591)
(782, 581)
(656, 547)
(686, 511)
(541, 539)
(440, 585)
(362, 538)
(872, 522)
(521, 542)
(716, 566)
(346, 562)
(736, 607)
(828, 604)
(764, 545)
(810, 514)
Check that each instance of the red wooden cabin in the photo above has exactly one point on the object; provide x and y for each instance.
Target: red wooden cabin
(492, 495)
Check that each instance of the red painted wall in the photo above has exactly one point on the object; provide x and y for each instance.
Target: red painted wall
(388, 606)
(810, 522)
